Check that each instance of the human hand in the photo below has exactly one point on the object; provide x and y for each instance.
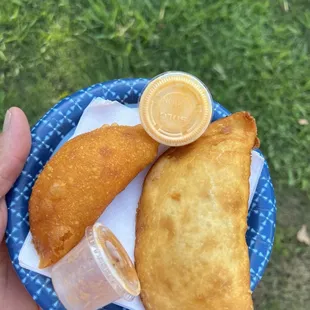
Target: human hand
(15, 141)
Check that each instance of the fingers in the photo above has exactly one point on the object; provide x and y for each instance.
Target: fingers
(3, 218)
(15, 142)
(13, 294)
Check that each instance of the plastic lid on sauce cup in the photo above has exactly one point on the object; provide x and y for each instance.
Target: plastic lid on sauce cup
(175, 108)
(95, 273)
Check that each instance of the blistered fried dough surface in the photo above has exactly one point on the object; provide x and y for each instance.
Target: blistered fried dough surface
(191, 251)
(80, 181)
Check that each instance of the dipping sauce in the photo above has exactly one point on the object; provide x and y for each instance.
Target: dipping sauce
(175, 108)
(95, 273)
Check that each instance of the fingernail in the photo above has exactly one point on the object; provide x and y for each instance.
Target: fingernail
(7, 121)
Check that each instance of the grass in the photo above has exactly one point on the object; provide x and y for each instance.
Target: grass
(253, 55)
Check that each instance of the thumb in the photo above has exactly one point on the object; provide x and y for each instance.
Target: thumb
(15, 142)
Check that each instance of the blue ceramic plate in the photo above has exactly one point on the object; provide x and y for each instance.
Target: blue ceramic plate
(48, 133)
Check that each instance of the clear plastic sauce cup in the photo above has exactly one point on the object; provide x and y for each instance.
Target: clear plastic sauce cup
(95, 273)
(175, 108)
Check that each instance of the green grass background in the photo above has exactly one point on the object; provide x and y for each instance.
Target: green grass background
(253, 54)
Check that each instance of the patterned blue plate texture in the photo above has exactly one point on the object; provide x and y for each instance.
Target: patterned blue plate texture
(46, 136)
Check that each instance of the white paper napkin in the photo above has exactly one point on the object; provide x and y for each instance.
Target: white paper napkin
(123, 207)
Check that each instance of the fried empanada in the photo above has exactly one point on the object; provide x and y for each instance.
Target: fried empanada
(191, 251)
(80, 181)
